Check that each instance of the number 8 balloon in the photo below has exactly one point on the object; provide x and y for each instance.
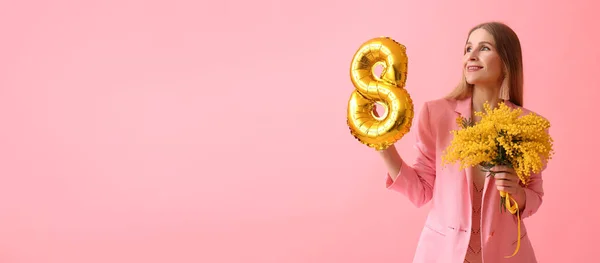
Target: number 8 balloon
(379, 132)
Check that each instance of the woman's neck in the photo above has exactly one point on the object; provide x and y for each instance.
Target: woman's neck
(482, 94)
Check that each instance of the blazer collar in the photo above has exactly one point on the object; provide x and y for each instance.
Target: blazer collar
(463, 106)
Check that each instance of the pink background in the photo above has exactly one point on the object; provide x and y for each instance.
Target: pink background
(110, 150)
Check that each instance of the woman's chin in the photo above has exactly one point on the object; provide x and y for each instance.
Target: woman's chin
(476, 81)
(472, 81)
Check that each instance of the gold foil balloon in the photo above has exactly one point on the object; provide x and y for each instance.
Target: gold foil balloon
(386, 89)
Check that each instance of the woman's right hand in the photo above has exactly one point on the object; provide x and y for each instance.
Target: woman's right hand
(392, 160)
(390, 156)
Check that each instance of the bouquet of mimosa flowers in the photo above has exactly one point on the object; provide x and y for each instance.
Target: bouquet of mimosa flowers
(502, 137)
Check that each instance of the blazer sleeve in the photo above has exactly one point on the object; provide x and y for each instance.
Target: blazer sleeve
(416, 182)
(534, 193)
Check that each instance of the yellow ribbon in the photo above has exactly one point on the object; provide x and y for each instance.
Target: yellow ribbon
(513, 208)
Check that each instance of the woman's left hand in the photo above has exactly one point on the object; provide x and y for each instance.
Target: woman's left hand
(508, 181)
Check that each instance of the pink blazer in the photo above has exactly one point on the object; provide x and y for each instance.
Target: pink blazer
(445, 235)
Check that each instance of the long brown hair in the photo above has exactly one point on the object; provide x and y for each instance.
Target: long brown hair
(508, 47)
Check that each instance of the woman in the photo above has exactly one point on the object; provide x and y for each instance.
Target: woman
(465, 223)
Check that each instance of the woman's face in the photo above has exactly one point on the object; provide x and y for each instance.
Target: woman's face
(482, 64)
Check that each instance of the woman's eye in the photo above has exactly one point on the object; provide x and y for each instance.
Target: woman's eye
(485, 48)
(468, 49)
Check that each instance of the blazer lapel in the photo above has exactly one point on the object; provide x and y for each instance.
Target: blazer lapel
(463, 108)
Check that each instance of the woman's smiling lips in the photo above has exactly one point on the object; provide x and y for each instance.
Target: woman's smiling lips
(473, 68)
